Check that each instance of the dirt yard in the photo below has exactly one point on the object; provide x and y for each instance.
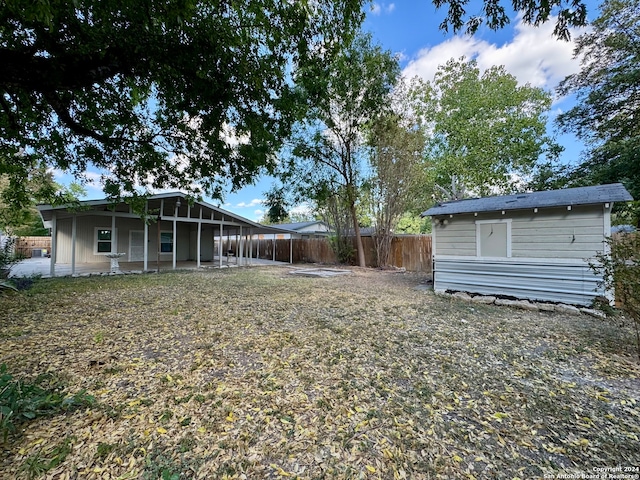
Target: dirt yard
(255, 373)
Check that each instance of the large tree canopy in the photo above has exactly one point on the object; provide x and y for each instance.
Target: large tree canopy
(608, 97)
(484, 131)
(158, 93)
(175, 93)
(494, 14)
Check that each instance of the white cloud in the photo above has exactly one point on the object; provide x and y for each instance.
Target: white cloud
(379, 8)
(258, 213)
(253, 203)
(533, 56)
(303, 209)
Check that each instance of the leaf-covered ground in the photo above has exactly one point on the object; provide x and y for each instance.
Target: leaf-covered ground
(254, 373)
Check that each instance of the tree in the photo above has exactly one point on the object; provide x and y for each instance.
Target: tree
(607, 88)
(276, 203)
(172, 94)
(18, 213)
(485, 132)
(396, 160)
(570, 14)
(327, 154)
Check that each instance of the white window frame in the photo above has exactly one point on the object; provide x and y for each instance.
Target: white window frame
(502, 220)
(172, 245)
(96, 240)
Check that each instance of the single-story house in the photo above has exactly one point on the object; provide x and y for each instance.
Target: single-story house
(175, 231)
(311, 229)
(533, 246)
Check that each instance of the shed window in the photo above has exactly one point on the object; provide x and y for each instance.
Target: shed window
(103, 241)
(493, 238)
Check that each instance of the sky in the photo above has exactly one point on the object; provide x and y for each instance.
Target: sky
(409, 29)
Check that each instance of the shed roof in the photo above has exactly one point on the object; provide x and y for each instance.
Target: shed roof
(614, 192)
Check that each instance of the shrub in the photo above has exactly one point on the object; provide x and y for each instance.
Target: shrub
(8, 257)
(620, 268)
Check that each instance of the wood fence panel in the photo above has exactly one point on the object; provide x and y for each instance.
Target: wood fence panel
(412, 252)
(26, 245)
(416, 252)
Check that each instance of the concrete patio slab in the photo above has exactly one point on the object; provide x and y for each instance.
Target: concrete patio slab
(42, 267)
(320, 272)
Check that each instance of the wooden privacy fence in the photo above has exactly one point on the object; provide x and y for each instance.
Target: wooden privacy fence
(412, 252)
(33, 246)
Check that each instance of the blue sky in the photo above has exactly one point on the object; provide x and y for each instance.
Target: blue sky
(410, 30)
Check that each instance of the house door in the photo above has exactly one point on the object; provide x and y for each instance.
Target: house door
(136, 246)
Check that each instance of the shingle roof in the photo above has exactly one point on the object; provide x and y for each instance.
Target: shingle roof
(614, 192)
(296, 226)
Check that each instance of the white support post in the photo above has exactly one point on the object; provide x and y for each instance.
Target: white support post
(74, 226)
(114, 237)
(199, 235)
(239, 247)
(175, 236)
(220, 247)
(146, 238)
(250, 245)
(54, 244)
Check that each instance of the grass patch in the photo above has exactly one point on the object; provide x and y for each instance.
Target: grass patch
(23, 400)
(251, 372)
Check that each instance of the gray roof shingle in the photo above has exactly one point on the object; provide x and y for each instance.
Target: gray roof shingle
(614, 192)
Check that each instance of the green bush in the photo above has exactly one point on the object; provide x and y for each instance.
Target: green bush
(620, 269)
(343, 248)
(21, 401)
(8, 257)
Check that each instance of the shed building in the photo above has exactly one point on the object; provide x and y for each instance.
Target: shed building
(533, 246)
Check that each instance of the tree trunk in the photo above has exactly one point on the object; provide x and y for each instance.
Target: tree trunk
(356, 230)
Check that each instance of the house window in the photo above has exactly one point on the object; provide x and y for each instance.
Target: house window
(103, 241)
(166, 242)
(493, 238)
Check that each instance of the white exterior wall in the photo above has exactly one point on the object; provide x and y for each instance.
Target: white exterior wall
(85, 238)
(457, 236)
(555, 233)
(559, 233)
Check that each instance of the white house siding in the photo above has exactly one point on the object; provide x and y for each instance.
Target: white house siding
(206, 242)
(457, 236)
(558, 233)
(85, 238)
(546, 234)
(63, 247)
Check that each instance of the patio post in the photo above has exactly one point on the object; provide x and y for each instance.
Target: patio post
(175, 235)
(146, 238)
(239, 247)
(220, 248)
(74, 224)
(199, 235)
(54, 244)
(250, 245)
(114, 237)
